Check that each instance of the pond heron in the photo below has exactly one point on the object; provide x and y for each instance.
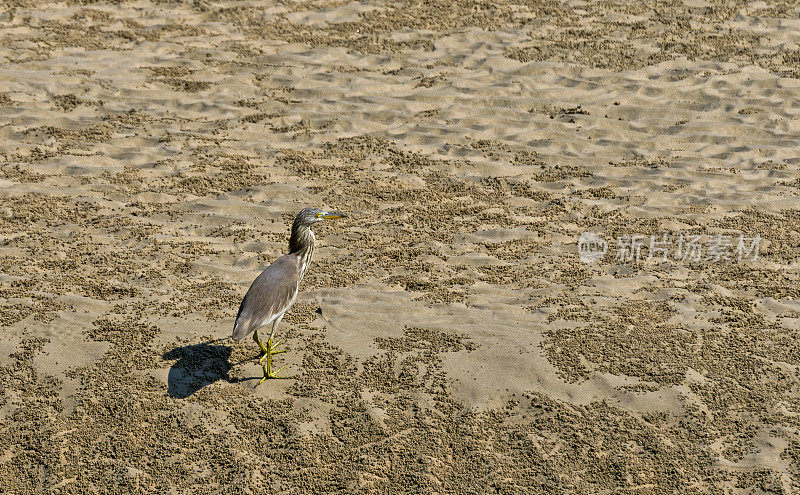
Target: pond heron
(273, 292)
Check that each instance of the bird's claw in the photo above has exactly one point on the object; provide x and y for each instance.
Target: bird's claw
(268, 352)
(271, 348)
(274, 346)
(271, 374)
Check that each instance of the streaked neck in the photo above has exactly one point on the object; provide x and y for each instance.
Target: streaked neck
(301, 244)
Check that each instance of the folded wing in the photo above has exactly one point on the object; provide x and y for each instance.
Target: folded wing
(269, 296)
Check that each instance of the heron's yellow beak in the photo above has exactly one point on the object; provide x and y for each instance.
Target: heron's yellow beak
(332, 216)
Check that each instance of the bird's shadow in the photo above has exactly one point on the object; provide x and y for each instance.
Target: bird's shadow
(197, 365)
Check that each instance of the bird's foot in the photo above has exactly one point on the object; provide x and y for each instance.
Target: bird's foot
(268, 373)
(272, 348)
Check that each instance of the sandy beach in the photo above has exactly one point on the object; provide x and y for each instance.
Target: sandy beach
(449, 336)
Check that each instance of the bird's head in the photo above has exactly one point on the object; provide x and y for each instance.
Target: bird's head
(310, 216)
(302, 237)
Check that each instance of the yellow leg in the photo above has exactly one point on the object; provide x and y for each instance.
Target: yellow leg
(272, 347)
(270, 350)
(264, 350)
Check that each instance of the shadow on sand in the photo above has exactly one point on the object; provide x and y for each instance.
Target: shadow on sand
(198, 365)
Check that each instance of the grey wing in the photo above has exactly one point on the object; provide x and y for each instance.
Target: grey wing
(270, 295)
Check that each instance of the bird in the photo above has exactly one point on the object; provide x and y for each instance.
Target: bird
(273, 292)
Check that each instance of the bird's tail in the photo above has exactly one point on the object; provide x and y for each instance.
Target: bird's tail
(241, 328)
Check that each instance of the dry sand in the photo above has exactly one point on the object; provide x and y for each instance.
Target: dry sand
(447, 337)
